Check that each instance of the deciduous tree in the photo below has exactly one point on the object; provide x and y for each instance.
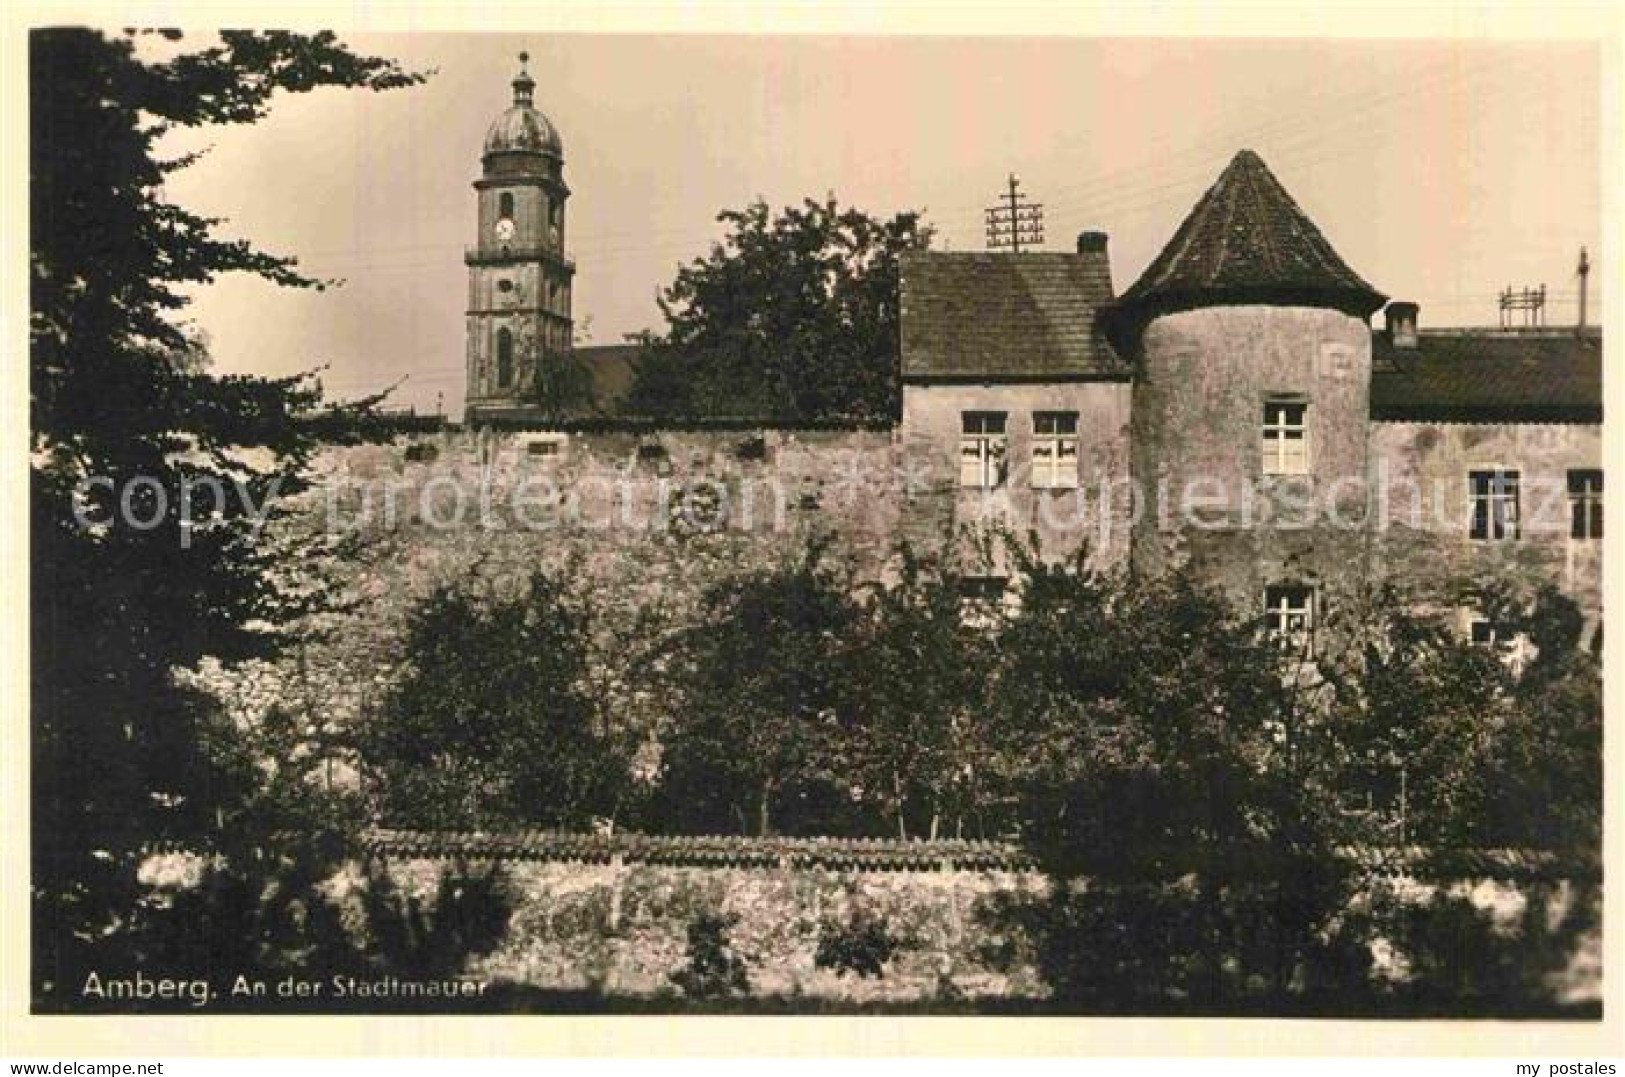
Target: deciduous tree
(759, 689)
(492, 723)
(790, 316)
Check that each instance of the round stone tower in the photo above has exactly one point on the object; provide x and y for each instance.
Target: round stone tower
(1252, 351)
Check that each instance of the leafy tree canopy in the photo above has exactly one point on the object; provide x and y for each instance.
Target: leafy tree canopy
(155, 563)
(759, 686)
(792, 316)
(493, 721)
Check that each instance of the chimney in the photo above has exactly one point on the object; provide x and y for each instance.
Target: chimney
(1402, 323)
(1092, 242)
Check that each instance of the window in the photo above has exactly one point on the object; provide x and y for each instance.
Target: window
(545, 445)
(504, 359)
(1289, 615)
(981, 599)
(1372, 788)
(1055, 450)
(1585, 504)
(1494, 496)
(981, 449)
(751, 448)
(505, 206)
(1286, 436)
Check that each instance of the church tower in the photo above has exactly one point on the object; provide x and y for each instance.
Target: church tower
(518, 277)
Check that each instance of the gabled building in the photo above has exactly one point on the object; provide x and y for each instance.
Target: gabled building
(1273, 439)
(1232, 409)
(1014, 398)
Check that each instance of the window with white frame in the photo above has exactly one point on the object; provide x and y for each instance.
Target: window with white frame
(1493, 494)
(1289, 615)
(1585, 504)
(1505, 643)
(982, 449)
(1055, 450)
(981, 600)
(1286, 435)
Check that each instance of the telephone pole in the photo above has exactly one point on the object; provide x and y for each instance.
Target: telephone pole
(1015, 222)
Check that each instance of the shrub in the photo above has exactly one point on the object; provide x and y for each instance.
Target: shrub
(862, 946)
(1458, 956)
(467, 917)
(713, 970)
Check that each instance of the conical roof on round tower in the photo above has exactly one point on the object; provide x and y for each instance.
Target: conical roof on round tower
(1246, 241)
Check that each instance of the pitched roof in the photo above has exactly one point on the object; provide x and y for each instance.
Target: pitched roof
(1489, 376)
(1246, 241)
(609, 369)
(612, 369)
(993, 316)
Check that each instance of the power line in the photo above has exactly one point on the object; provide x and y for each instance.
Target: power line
(1127, 196)
(1312, 118)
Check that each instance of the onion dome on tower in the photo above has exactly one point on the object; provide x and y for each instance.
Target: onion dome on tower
(521, 130)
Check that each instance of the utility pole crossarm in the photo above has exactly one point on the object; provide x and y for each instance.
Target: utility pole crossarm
(1014, 223)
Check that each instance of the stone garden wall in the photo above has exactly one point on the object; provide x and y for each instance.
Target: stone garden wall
(612, 916)
(622, 929)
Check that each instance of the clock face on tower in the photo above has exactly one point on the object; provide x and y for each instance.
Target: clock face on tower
(504, 230)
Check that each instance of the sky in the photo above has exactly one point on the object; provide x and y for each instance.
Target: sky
(1442, 172)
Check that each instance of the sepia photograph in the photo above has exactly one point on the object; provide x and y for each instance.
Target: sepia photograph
(540, 523)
